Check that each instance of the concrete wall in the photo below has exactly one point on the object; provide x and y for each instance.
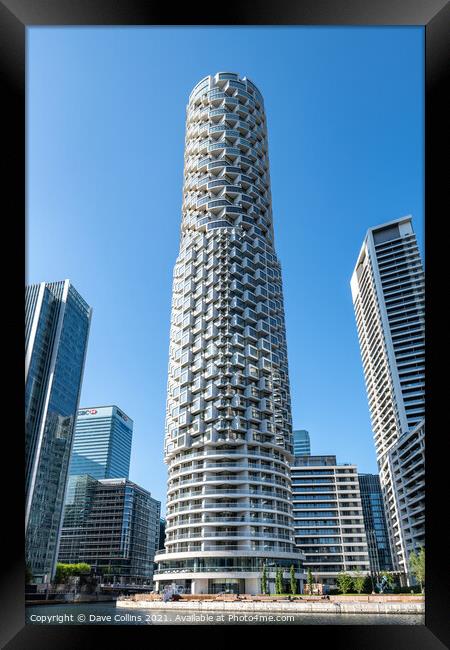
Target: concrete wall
(295, 607)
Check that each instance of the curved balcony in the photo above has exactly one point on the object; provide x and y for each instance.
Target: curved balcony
(226, 535)
(218, 206)
(286, 548)
(245, 548)
(202, 202)
(223, 76)
(178, 473)
(265, 385)
(215, 93)
(224, 130)
(224, 148)
(224, 183)
(243, 507)
(216, 112)
(202, 164)
(224, 520)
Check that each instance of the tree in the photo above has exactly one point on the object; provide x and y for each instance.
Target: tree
(417, 566)
(293, 580)
(278, 581)
(359, 581)
(264, 579)
(310, 581)
(344, 582)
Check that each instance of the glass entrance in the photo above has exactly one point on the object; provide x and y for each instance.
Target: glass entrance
(223, 585)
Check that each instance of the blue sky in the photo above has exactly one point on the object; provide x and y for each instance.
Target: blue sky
(105, 139)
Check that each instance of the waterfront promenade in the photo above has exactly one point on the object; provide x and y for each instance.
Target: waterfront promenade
(350, 604)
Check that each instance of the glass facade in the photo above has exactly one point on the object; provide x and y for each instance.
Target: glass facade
(375, 523)
(113, 525)
(102, 443)
(219, 564)
(162, 533)
(302, 444)
(57, 324)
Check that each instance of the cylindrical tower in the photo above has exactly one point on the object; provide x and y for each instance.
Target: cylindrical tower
(228, 439)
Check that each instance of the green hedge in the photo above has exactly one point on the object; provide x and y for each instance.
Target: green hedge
(66, 571)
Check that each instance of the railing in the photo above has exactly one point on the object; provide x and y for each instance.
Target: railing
(246, 534)
(237, 547)
(226, 520)
(233, 478)
(220, 452)
(210, 570)
(237, 506)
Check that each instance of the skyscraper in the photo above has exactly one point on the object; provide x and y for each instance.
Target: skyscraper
(375, 523)
(102, 443)
(57, 323)
(302, 444)
(228, 438)
(388, 296)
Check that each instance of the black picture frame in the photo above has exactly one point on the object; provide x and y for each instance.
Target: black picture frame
(15, 17)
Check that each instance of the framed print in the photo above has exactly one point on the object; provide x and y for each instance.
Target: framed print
(227, 220)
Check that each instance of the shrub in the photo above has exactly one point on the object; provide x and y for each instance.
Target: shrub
(344, 582)
(66, 571)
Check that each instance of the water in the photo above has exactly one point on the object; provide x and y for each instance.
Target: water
(108, 614)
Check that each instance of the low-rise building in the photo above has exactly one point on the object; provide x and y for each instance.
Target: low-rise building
(113, 525)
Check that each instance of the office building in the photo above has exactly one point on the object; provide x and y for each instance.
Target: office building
(113, 525)
(102, 443)
(328, 518)
(375, 523)
(302, 445)
(389, 301)
(228, 441)
(57, 321)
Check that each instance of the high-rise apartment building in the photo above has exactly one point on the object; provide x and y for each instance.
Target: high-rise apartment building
(328, 518)
(57, 323)
(389, 301)
(102, 443)
(113, 525)
(228, 441)
(406, 461)
(375, 523)
(302, 444)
